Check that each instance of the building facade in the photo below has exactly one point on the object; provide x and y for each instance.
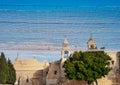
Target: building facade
(32, 72)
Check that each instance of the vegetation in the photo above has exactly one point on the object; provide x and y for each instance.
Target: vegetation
(88, 66)
(11, 73)
(7, 71)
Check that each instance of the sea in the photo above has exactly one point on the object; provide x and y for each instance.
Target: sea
(40, 33)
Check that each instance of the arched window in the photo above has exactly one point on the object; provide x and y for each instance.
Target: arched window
(66, 54)
(92, 46)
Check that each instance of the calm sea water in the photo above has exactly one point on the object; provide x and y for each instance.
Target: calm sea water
(40, 33)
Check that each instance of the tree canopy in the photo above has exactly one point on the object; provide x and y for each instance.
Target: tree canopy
(88, 66)
(7, 71)
(11, 73)
(3, 69)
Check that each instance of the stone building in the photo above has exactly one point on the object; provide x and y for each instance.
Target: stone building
(113, 77)
(32, 72)
(56, 75)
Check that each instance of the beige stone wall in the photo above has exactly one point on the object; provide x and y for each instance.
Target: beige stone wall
(41, 75)
(31, 69)
(104, 81)
(74, 82)
(114, 56)
(35, 76)
(54, 71)
(111, 77)
(53, 74)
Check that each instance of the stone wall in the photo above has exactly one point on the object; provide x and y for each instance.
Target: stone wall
(53, 74)
(74, 82)
(39, 74)
(31, 71)
(34, 76)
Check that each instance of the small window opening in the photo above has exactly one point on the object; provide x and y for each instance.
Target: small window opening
(66, 52)
(55, 72)
(112, 62)
(27, 80)
(46, 72)
(92, 47)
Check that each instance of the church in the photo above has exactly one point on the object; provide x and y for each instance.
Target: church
(33, 72)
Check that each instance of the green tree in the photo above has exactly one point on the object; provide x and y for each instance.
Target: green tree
(11, 73)
(7, 71)
(3, 69)
(88, 66)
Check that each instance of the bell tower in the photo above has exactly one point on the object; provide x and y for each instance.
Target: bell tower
(65, 51)
(91, 44)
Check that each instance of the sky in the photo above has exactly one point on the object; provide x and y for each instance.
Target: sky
(59, 4)
(12, 16)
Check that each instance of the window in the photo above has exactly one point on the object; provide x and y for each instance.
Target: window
(46, 73)
(66, 52)
(27, 80)
(92, 47)
(112, 62)
(55, 72)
